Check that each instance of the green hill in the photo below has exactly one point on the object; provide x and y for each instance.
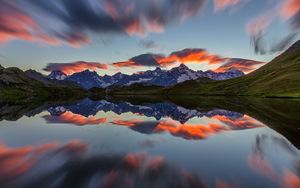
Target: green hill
(17, 86)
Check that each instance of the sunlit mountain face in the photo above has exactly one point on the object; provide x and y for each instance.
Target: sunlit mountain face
(116, 143)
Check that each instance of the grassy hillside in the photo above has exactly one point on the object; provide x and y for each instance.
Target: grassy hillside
(16, 86)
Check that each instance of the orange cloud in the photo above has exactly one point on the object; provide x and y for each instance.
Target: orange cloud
(69, 117)
(185, 56)
(78, 66)
(16, 24)
(239, 64)
(126, 64)
(289, 8)
(223, 4)
(190, 56)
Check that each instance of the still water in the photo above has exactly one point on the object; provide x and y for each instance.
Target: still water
(116, 143)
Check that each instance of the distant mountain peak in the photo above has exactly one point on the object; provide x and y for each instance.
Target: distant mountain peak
(233, 70)
(183, 66)
(89, 71)
(158, 69)
(57, 75)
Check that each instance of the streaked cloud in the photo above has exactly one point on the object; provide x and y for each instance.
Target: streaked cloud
(78, 66)
(223, 4)
(75, 22)
(284, 11)
(240, 64)
(185, 56)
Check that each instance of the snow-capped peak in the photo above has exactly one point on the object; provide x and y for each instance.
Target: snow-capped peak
(57, 75)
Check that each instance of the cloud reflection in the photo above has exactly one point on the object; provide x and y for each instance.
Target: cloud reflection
(261, 163)
(69, 165)
(190, 131)
(69, 117)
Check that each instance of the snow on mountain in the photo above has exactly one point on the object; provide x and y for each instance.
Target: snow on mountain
(57, 75)
(158, 77)
(87, 79)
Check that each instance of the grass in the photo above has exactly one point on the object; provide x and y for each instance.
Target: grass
(12, 94)
(22, 95)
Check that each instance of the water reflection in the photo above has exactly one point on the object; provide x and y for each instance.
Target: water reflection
(137, 143)
(261, 162)
(88, 107)
(169, 118)
(69, 165)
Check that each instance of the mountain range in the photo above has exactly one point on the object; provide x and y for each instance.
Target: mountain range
(158, 77)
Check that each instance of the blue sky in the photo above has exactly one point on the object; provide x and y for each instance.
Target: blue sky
(221, 32)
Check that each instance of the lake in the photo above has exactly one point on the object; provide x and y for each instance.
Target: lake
(149, 142)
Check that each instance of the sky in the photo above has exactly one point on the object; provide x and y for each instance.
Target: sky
(109, 36)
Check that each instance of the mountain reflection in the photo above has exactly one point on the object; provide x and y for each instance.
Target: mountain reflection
(89, 107)
(69, 165)
(169, 118)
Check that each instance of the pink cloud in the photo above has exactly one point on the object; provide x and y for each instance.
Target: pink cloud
(223, 4)
(78, 66)
(289, 8)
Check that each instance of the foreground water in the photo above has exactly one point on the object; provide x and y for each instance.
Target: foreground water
(108, 143)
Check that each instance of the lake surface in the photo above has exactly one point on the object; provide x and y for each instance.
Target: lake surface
(203, 142)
